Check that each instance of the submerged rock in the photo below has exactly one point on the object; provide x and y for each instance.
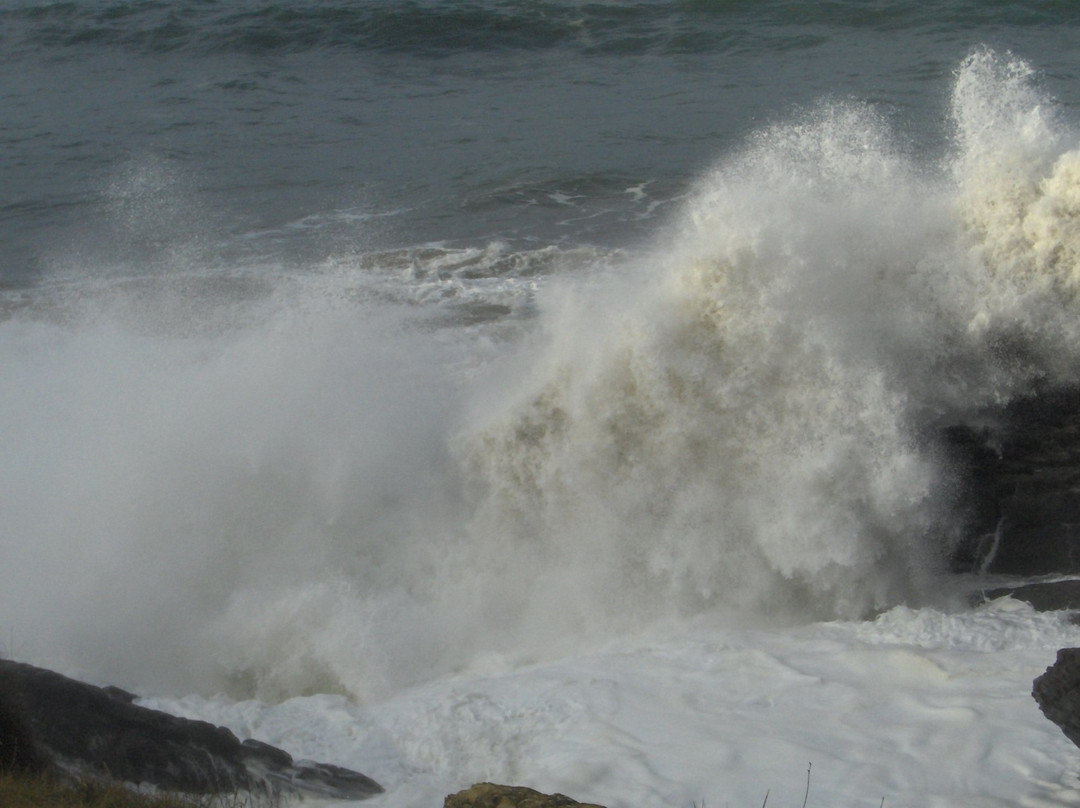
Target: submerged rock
(100, 732)
(1058, 693)
(490, 795)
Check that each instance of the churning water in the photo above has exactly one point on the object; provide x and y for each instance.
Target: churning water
(342, 349)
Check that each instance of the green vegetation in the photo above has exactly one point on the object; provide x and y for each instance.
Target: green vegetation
(43, 791)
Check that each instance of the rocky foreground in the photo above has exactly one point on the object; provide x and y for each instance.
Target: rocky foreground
(491, 795)
(48, 721)
(83, 731)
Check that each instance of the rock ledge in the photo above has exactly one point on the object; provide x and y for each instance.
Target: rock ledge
(89, 731)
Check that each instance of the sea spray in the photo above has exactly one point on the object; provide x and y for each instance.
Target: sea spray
(169, 481)
(716, 428)
(1017, 177)
(745, 419)
(313, 488)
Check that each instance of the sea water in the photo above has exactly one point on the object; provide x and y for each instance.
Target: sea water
(543, 392)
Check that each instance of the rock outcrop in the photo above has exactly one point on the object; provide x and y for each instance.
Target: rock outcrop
(1043, 596)
(1022, 473)
(490, 795)
(1058, 693)
(89, 731)
(20, 753)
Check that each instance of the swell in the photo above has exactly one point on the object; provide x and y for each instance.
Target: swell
(434, 29)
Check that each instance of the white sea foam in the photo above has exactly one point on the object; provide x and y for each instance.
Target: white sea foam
(919, 707)
(319, 487)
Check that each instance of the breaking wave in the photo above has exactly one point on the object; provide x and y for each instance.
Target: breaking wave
(746, 418)
(341, 493)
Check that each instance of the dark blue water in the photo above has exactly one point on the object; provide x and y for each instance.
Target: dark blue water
(242, 133)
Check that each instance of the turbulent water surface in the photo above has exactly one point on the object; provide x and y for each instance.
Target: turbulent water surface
(434, 368)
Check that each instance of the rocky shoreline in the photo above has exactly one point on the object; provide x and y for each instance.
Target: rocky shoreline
(79, 730)
(53, 724)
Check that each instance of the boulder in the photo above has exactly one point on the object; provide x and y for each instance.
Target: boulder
(89, 731)
(490, 795)
(1058, 693)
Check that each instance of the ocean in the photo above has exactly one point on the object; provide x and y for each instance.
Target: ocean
(543, 392)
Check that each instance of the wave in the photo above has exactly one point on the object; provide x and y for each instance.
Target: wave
(747, 418)
(741, 420)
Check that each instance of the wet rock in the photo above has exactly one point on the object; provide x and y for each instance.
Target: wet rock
(490, 795)
(1058, 693)
(1021, 473)
(100, 732)
(1043, 596)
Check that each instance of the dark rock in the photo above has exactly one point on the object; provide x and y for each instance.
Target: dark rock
(20, 752)
(119, 694)
(92, 731)
(265, 754)
(328, 780)
(1044, 596)
(1021, 473)
(490, 795)
(1058, 693)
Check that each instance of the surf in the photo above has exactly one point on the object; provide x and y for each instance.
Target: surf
(323, 488)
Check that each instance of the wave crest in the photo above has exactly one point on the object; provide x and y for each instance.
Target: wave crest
(746, 418)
